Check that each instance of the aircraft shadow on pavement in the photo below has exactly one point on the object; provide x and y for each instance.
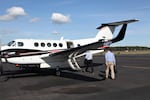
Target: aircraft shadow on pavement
(83, 77)
(97, 64)
(94, 65)
(68, 74)
(46, 72)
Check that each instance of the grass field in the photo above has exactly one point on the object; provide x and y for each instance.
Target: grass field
(128, 52)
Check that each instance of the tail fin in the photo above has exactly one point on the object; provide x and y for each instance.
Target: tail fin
(106, 30)
(105, 33)
(121, 34)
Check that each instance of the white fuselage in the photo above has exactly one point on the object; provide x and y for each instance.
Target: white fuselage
(31, 51)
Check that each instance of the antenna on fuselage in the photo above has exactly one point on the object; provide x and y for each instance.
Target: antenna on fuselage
(62, 38)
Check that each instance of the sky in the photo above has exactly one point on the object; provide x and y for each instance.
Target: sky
(73, 19)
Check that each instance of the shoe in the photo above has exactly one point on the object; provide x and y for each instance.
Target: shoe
(113, 78)
(83, 70)
(106, 77)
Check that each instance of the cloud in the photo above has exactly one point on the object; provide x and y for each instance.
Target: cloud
(8, 31)
(55, 32)
(12, 14)
(33, 20)
(59, 18)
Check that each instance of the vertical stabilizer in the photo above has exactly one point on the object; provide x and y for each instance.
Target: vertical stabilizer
(105, 32)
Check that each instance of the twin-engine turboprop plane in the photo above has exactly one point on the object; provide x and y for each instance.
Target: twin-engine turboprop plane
(56, 54)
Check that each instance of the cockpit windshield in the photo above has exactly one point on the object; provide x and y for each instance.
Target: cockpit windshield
(12, 43)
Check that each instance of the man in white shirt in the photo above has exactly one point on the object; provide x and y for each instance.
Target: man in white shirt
(110, 63)
(89, 61)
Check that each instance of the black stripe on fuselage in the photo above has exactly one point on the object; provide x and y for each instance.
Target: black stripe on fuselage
(21, 52)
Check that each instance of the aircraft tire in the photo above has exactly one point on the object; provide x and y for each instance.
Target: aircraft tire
(58, 71)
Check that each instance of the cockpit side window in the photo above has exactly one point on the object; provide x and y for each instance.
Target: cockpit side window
(12, 43)
(20, 44)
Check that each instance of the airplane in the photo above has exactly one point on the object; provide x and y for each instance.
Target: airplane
(55, 54)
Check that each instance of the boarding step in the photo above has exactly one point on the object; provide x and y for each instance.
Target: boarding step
(73, 64)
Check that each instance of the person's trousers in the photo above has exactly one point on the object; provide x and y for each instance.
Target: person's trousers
(89, 65)
(110, 66)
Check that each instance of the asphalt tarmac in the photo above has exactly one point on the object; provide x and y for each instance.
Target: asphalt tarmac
(132, 82)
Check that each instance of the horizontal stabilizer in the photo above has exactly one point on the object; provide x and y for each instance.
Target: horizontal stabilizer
(117, 23)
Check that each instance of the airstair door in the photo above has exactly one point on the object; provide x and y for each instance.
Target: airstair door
(70, 44)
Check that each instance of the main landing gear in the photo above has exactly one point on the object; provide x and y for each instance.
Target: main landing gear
(58, 71)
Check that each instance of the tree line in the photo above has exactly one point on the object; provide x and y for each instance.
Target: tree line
(129, 48)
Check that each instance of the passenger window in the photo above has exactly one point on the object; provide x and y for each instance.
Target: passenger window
(42, 44)
(79, 45)
(36, 44)
(54, 44)
(20, 44)
(60, 45)
(49, 44)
